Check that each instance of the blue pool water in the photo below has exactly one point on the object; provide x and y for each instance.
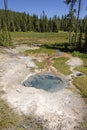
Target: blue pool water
(46, 81)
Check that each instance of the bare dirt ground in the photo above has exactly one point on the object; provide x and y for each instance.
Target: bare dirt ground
(60, 110)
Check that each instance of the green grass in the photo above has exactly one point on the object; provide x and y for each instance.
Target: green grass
(10, 120)
(41, 64)
(2, 51)
(41, 50)
(60, 64)
(83, 56)
(83, 68)
(81, 84)
(78, 54)
(84, 125)
(40, 38)
(85, 61)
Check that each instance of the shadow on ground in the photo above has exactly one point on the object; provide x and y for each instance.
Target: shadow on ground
(65, 47)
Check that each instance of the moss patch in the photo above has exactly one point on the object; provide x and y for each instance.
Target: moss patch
(39, 38)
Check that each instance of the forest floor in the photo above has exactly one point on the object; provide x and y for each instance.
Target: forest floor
(61, 110)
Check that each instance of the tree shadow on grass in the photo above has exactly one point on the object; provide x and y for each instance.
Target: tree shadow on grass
(64, 47)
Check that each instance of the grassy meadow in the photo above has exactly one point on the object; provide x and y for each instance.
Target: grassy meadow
(39, 38)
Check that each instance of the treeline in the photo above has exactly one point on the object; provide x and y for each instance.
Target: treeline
(24, 22)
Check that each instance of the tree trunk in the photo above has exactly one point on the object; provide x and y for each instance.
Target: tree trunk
(77, 21)
(6, 13)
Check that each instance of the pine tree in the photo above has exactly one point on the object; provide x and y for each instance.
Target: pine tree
(77, 21)
(71, 3)
(85, 44)
(50, 25)
(23, 22)
(35, 23)
(55, 24)
(5, 37)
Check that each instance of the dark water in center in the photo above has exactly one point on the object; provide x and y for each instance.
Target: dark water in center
(46, 81)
